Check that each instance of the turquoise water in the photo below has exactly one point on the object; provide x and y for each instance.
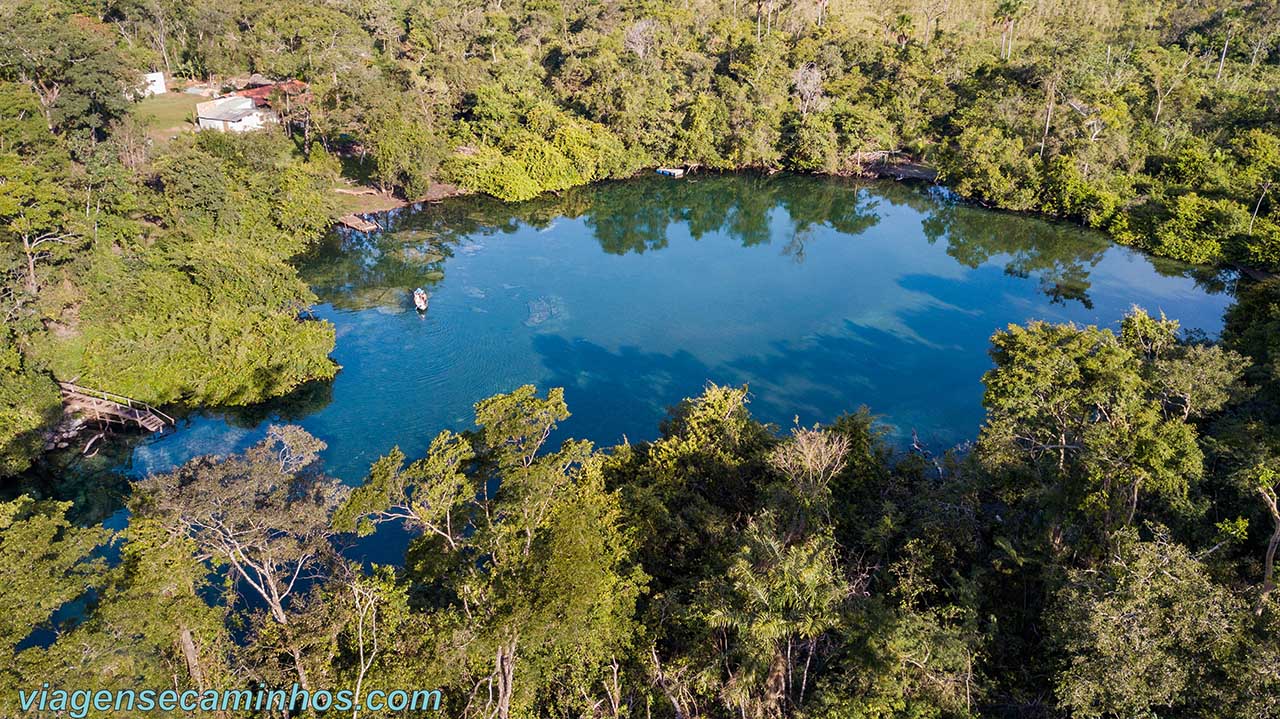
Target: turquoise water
(822, 295)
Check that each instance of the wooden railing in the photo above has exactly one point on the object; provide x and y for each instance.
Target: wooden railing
(111, 406)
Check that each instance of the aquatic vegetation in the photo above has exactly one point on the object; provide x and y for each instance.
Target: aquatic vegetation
(544, 309)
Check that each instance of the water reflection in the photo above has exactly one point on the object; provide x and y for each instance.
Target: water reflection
(351, 270)
(356, 271)
(1058, 257)
(821, 295)
(293, 407)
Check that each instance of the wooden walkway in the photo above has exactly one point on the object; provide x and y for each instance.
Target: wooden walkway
(358, 223)
(106, 407)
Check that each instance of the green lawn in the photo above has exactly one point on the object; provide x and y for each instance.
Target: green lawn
(167, 115)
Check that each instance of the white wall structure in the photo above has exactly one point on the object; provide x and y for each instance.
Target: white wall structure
(153, 84)
(232, 114)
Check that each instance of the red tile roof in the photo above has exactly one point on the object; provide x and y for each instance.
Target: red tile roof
(262, 95)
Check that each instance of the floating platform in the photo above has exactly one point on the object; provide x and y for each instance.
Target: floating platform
(358, 223)
(676, 172)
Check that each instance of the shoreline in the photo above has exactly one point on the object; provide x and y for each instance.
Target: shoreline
(366, 200)
(70, 430)
(363, 200)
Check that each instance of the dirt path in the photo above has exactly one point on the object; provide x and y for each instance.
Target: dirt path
(366, 200)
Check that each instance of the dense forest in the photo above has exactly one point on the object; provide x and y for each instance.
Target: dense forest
(1105, 547)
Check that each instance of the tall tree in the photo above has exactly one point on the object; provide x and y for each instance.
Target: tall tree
(265, 513)
(71, 63)
(1094, 422)
(1147, 631)
(527, 542)
(38, 534)
(32, 210)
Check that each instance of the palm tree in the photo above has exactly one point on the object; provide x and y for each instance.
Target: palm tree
(776, 605)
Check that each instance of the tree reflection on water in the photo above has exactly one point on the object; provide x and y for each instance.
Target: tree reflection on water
(353, 270)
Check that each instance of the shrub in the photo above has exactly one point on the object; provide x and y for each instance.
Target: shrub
(1200, 229)
(811, 143)
(29, 402)
(488, 170)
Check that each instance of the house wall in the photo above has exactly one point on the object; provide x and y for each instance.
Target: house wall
(256, 121)
(153, 84)
(208, 115)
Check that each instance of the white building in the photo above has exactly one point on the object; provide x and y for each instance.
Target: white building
(153, 84)
(232, 114)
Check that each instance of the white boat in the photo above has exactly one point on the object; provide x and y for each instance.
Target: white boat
(420, 299)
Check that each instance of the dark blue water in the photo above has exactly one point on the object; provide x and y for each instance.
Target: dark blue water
(821, 295)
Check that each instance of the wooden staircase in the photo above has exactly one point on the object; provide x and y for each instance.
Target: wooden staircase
(106, 407)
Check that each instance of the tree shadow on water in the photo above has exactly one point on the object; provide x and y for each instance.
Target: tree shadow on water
(935, 389)
(304, 401)
(929, 385)
(612, 394)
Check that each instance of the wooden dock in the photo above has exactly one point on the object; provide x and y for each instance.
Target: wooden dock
(358, 223)
(106, 407)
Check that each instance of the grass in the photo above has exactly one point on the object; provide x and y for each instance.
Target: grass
(345, 204)
(167, 115)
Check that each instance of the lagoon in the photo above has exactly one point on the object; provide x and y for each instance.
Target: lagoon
(820, 294)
